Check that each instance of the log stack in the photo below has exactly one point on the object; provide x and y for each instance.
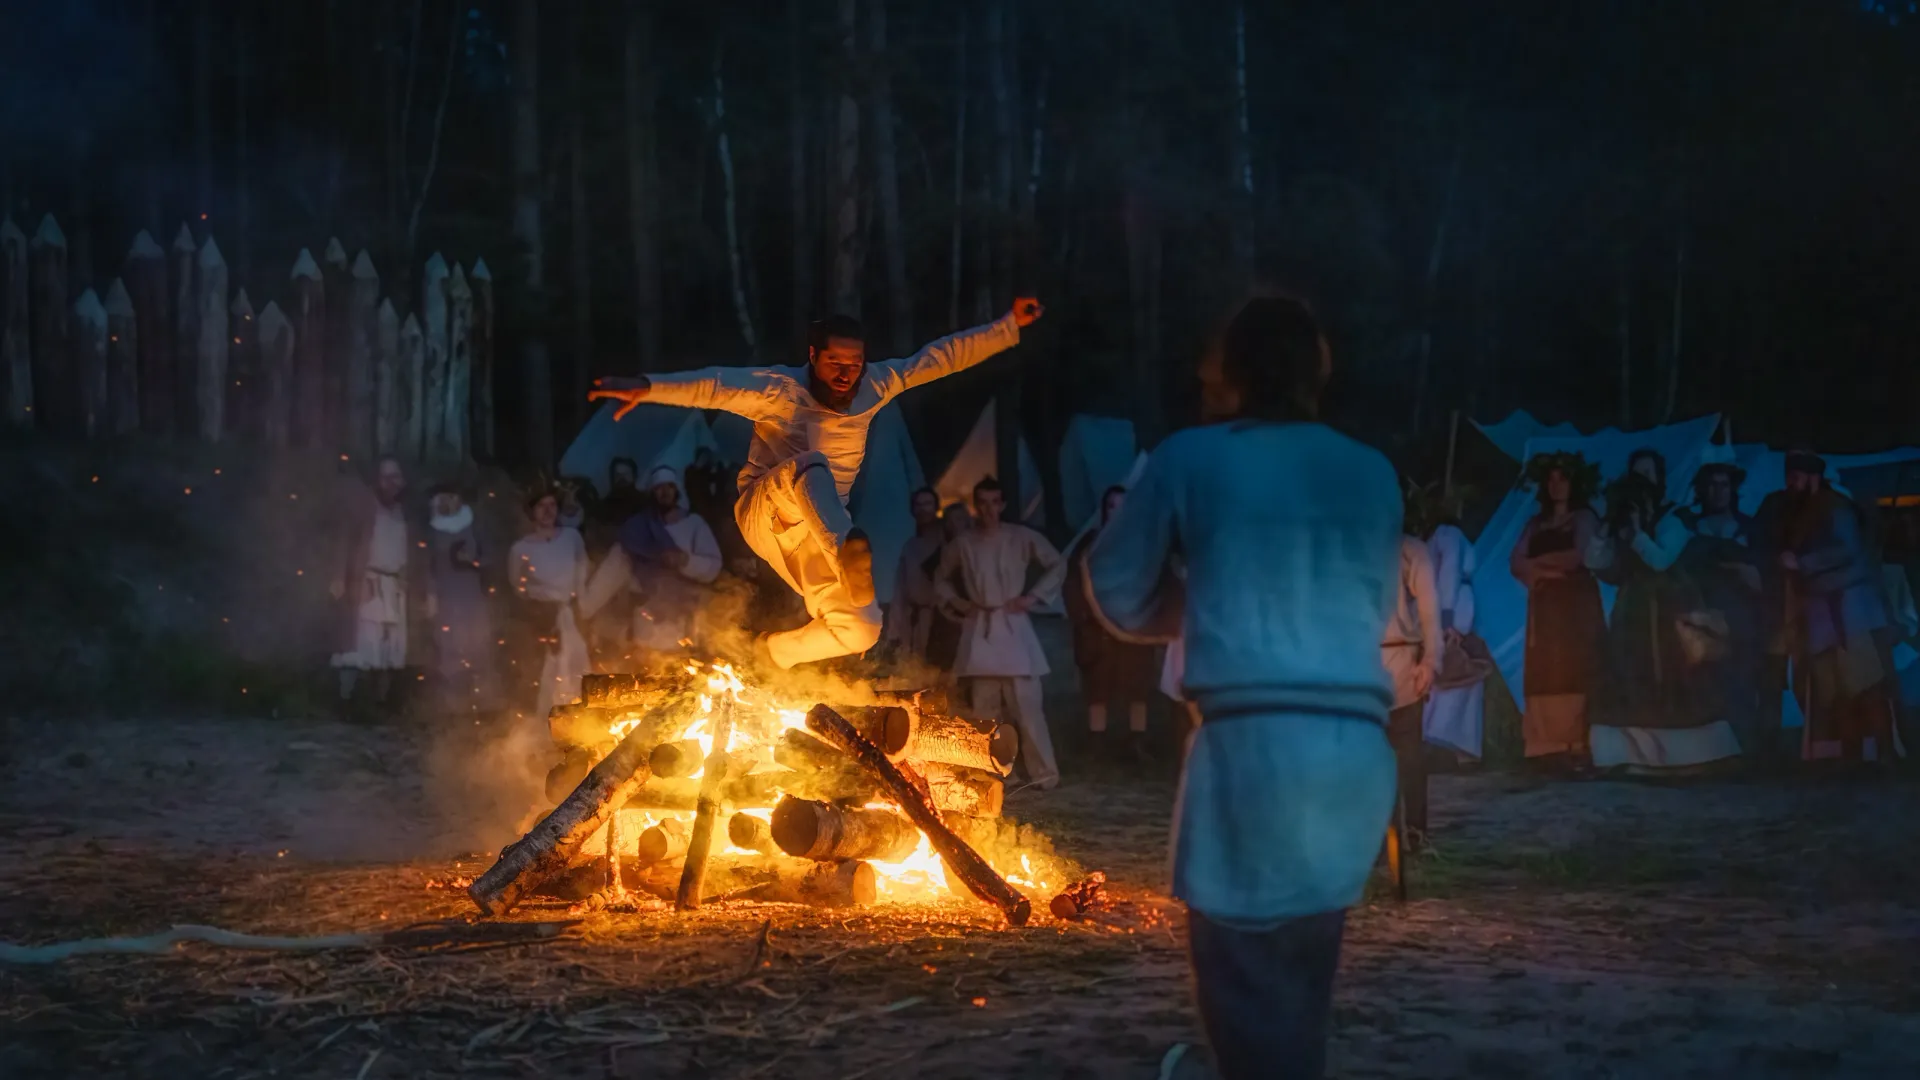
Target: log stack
(860, 786)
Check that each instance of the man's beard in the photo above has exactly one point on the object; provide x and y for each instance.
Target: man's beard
(828, 396)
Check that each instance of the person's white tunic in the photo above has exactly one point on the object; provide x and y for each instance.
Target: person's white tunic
(1290, 534)
(999, 654)
(801, 465)
(554, 571)
(380, 626)
(1455, 718)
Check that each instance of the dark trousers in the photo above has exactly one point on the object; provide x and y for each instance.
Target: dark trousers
(1405, 735)
(1266, 995)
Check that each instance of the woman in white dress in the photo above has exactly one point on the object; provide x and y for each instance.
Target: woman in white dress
(548, 567)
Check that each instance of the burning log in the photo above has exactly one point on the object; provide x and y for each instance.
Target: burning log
(824, 832)
(681, 758)
(918, 728)
(693, 878)
(553, 843)
(583, 727)
(827, 884)
(667, 840)
(979, 878)
(752, 833)
(956, 789)
(821, 772)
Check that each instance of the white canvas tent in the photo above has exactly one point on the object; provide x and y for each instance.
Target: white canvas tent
(652, 435)
(1095, 455)
(1511, 434)
(882, 496)
(977, 459)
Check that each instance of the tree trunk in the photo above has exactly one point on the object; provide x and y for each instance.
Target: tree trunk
(363, 343)
(16, 337)
(186, 333)
(1007, 409)
(1429, 292)
(1673, 351)
(430, 394)
(146, 276)
(642, 88)
(1625, 334)
(580, 263)
(123, 361)
(411, 367)
(847, 254)
(337, 270)
(1245, 241)
(308, 314)
(276, 363)
(887, 178)
(957, 260)
(242, 165)
(203, 107)
(455, 448)
(480, 414)
(535, 367)
(805, 248)
(433, 146)
(388, 419)
(210, 355)
(88, 337)
(962, 861)
(736, 257)
(1142, 226)
(53, 398)
(244, 384)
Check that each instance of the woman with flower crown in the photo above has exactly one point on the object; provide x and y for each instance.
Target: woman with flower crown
(1565, 622)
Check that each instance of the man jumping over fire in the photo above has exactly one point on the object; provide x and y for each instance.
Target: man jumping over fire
(809, 438)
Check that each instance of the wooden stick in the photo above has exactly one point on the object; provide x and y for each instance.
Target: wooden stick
(963, 861)
(553, 843)
(752, 833)
(694, 877)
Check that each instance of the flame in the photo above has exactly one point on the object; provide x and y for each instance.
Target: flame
(919, 876)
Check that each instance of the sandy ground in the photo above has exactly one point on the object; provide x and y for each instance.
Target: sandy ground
(1579, 930)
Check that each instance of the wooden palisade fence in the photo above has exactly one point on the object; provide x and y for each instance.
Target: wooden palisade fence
(173, 350)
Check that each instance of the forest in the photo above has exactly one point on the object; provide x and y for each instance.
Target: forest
(1612, 213)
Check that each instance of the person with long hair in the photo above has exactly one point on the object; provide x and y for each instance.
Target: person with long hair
(1565, 621)
(1656, 707)
(1290, 535)
(548, 570)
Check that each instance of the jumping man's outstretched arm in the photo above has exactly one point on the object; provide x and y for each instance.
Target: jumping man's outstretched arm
(956, 352)
(747, 392)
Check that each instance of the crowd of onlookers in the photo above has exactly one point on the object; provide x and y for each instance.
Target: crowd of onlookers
(1718, 615)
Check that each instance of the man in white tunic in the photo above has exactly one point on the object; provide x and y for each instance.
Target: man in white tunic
(372, 585)
(1411, 653)
(809, 439)
(983, 575)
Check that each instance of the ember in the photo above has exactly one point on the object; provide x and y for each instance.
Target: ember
(690, 786)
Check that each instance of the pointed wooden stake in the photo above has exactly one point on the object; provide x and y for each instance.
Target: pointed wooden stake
(89, 338)
(307, 311)
(123, 361)
(277, 370)
(146, 278)
(53, 389)
(16, 348)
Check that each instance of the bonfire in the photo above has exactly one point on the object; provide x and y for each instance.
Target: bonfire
(688, 785)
